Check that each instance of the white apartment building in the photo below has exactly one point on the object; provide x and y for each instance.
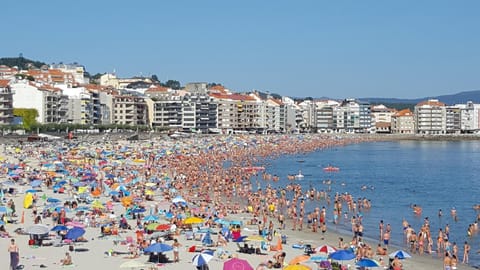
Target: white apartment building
(430, 117)
(323, 115)
(381, 118)
(6, 103)
(49, 101)
(469, 117)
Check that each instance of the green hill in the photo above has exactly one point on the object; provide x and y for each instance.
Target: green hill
(20, 62)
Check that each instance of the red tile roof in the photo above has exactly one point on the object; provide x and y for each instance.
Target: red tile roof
(156, 89)
(4, 83)
(431, 102)
(404, 112)
(237, 97)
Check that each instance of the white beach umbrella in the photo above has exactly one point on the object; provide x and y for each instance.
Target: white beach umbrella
(38, 229)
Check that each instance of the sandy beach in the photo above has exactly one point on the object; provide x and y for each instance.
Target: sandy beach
(223, 194)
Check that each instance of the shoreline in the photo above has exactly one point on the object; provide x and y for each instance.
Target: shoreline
(218, 192)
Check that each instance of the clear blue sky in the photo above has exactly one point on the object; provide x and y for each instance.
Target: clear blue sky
(339, 49)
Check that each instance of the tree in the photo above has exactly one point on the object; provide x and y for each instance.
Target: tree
(28, 116)
(172, 84)
(212, 84)
(155, 78)
(20, 62)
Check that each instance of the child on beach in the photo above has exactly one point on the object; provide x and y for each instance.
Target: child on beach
(67, 260)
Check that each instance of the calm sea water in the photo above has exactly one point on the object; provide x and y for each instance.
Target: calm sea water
(434, 175)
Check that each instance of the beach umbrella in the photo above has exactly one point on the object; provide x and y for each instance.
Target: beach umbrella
(342, 255)
(139, 210)
(297, 267)
(163, 227)
(53, 200)
(158, 234)
(201, 259)
(178, 199)
(365, 262)
(152, 226)
(75, 224)
(400, 254)
(150, 218)
(74, 233)
(58, 228)
(299, 259)
(240, 239)
(97, 205)
(5, 210)
(325, 249)
(158, 247)
(237, 264)
(31, 191)
(36, 183)
(193, 220)
(38, 229)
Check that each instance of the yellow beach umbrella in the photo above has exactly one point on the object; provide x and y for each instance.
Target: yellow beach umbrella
(297, 267)
(193, 220)
(97, 204)
(149, 192)
(28, 201)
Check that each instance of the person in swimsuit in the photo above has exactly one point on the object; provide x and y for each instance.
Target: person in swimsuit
(14, 255)
(176, 245)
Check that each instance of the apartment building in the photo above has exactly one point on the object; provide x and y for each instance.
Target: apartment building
(352, 116)
(129, 110)
(403, 122)
(6, 103)
(430, 117)
(381, 118)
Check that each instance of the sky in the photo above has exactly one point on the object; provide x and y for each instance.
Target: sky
(336, 49)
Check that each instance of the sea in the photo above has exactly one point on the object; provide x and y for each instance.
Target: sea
(435, 175)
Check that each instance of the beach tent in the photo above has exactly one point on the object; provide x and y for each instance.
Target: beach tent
(28, 201)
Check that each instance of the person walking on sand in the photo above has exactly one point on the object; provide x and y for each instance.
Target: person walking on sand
(176, 246)
(14, 255)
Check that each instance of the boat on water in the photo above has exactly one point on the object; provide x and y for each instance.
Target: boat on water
(331, 169)
(299, 175)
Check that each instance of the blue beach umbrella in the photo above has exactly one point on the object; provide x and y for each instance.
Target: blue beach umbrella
(342, 255)
(158, 247)
(5, 209)
(30, 191)
(36, 183)
(53, 200)
(139, 210)
(400, 254)
(150, 218)
(74, 233)
(240, 239)
(365, 262)
(201, 259)
(59, 228)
